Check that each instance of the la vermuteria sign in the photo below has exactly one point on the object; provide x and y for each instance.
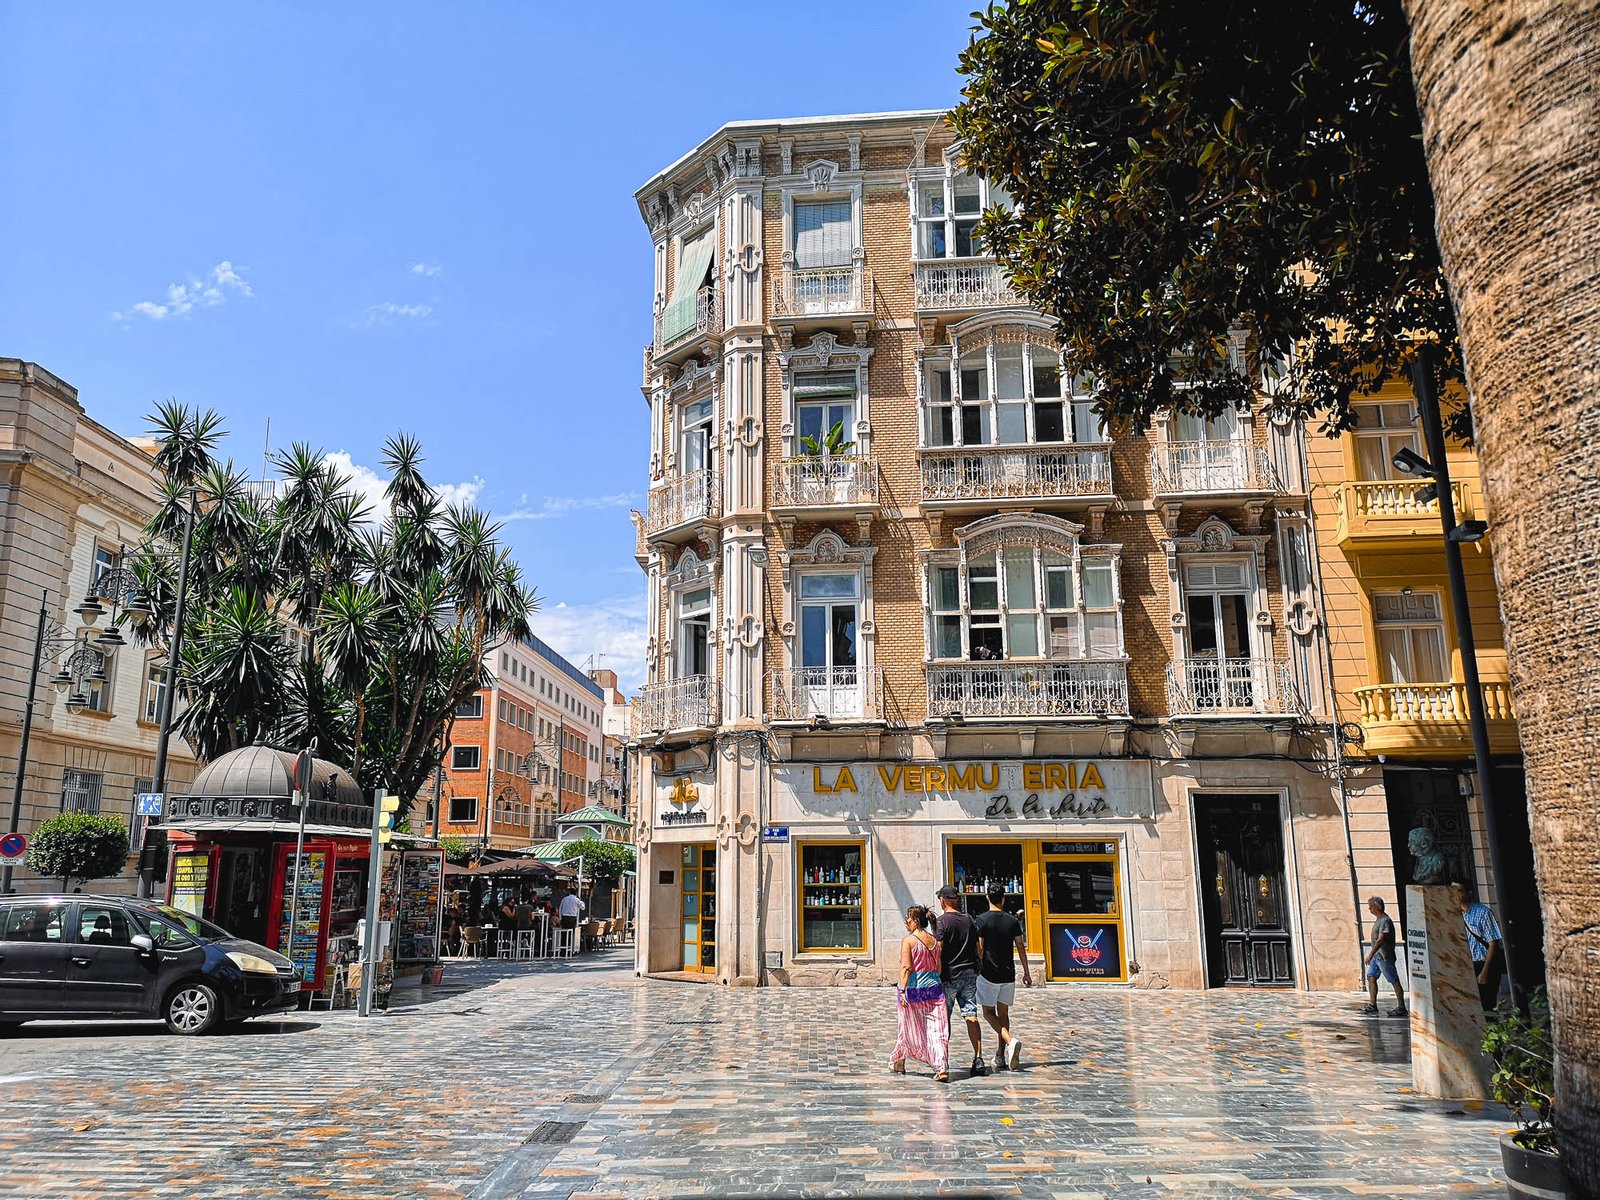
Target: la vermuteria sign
(683, 800)
(989, 791)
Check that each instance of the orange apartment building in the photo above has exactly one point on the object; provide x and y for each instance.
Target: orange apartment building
(915, 618)
(523, 750)
(1399, 696)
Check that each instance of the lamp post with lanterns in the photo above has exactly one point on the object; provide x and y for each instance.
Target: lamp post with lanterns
(83, 662)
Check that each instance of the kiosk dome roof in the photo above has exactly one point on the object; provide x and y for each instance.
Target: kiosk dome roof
(264, 772)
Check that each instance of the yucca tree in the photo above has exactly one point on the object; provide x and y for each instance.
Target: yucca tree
(311, 617)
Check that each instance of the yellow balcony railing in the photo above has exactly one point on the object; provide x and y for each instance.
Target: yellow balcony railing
(1422, 717)
(1392, 509)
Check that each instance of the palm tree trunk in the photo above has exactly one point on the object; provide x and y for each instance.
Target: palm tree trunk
(1509, 92)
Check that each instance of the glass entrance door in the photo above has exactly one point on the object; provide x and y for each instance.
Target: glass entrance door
(1083, 909)
(699, 908)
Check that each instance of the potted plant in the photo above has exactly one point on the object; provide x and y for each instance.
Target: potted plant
(1519, 1044)
(833, 483)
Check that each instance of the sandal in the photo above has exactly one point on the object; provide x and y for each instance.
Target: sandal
(942, 1077)
(898, 1066)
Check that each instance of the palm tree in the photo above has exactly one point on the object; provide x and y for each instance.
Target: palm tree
(1510, 101)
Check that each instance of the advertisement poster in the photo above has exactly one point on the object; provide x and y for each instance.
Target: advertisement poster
(1086, 950)
(420, 896)
(307, 913)
(190, 875)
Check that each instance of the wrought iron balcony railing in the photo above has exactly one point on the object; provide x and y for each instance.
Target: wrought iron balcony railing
(1070, 688)
(831, 693)
(685, 500)
(687, 703)
(822, 291)
(675, 328)
(1226, 686)
(1203, 468)
(1016, 472)
(962, 283)
(821, 481)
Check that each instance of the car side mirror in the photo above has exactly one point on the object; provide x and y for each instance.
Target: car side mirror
(143, 943)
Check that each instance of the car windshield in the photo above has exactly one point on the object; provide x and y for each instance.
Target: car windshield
(188, 922)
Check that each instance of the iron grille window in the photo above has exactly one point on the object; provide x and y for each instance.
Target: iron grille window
(80, 791)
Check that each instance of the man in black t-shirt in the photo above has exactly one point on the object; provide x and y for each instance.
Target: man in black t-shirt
(958, 967)
(998, 933)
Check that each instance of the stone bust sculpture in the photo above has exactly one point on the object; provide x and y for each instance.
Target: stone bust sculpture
(1427, 862)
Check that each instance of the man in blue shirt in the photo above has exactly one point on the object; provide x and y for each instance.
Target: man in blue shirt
(1484, 940)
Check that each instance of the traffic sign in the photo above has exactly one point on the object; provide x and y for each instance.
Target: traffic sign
(774, 833)
(13, 845)
(150, 803)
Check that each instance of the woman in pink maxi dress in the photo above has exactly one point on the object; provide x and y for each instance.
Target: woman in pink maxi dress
(924, 1020)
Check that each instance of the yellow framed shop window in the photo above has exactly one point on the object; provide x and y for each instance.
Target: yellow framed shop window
(970, 865)
(1083, 911)
(831, 894)
(699, 908)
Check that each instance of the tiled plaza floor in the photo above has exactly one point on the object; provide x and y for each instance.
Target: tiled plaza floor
(578, 1079)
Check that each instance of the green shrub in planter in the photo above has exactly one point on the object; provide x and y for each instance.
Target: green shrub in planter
(79, 846)
(1524, 1077)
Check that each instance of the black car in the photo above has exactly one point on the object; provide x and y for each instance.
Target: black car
(92, 957)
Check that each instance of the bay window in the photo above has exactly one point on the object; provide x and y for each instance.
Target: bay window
(1025, 602)
(948, 210)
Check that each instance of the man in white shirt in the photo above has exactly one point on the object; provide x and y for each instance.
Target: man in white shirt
(571, 908)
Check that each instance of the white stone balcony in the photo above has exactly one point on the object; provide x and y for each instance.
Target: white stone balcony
(1223, 467)
(827, 693)
(707, 319)
(974, 476)
(962, 285)
(821, 294)
(1068, 688)
(682, 503)
(824, 485)
(689, 703)
(1212, 687)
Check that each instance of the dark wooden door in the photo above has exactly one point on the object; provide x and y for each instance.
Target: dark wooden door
(1243, 892)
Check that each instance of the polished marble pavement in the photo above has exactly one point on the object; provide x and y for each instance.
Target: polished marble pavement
(559, 1079)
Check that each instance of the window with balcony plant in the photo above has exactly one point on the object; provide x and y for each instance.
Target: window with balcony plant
(825, 412)
(1025, 602)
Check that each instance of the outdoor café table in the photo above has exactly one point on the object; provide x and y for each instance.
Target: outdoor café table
(490, 933)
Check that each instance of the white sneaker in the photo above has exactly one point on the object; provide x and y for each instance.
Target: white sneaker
(1013, 1053)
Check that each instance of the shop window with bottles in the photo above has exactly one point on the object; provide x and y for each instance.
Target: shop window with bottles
(832, 896)
(975, 867)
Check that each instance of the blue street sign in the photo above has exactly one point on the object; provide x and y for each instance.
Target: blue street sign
(150, 803)
(774, 833)
(13, 845)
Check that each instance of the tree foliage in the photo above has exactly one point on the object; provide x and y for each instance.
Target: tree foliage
(1185, 170)
(310, 617)
(601, 860)
(78, 845)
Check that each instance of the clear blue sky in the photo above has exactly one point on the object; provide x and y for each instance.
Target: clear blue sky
(355, 218)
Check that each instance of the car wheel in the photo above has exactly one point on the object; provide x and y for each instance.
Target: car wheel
(193, 1009)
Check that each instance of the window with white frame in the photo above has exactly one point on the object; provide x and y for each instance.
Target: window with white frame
(463, 810)
(829, 607)
(464, 758)
(471, 708)
(155, 687)
(1025, 602)
(824, 401)
(1383, 430)
(694, 437)
(948, 210)
(80, 790)
(104, 562)
(1410, 629)
(693, 636)
(824, 234)
(1009, 393)
(1187, 427)
(1217, 600)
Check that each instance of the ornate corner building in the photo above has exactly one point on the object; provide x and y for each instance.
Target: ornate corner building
(916, 618)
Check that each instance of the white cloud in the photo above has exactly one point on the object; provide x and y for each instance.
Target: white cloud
(182, 298)
(389, 312)
(612, 630)
(426, 270)
(560, 506)
(369, 484)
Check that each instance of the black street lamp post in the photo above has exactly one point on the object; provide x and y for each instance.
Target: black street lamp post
(1437, 467)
